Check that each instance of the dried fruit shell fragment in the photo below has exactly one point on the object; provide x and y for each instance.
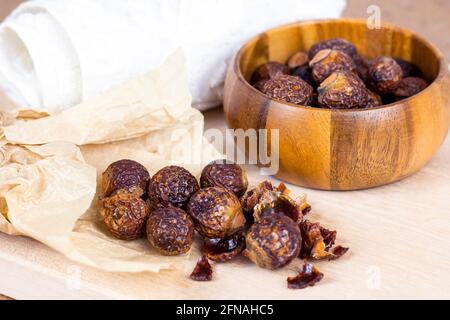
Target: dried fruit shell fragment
(203, 270)
(266, 199)
(318, 242)
(307, 277)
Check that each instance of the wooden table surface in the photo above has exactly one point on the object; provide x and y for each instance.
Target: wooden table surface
(399, 234)
(399, 237)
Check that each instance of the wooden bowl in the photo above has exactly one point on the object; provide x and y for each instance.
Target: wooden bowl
(343, 149)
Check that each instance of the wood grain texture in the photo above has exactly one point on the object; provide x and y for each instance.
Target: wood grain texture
(344, 149)
(398, 236)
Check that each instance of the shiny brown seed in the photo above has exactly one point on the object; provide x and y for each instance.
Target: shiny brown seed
(343, 90)
(273, 241)
(216, 211)
(334, 44)
(223, 250)
(269, 70)
(225, 174)
(327, 61)
(289, 89)
(362, 68)
(170, 231)
(124, 174)
(410, 86)
(172, 186)
(298, 59)
(125, 214)
(385, 75)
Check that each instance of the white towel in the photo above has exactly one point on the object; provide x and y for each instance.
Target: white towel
(58, 53)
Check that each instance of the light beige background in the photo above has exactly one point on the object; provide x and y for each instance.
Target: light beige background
(428, 17)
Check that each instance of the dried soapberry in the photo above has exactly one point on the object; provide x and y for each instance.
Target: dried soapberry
(170, 231)
(362, 67)
(343, 90)
(298, 59)
(268, 70)
(125, 214)
(260, 84)
(171, 186)
(410, 86)
(374, 100)
(409, 69)
(305, 73)
(327, 61)
(124, 175)
(318, 242)
(385, 74)
(289, 89)
(273, 241)
(334, 44)
(222, 250)
(202, 271)
(221, 173)
(265, 199)
(216, 211)
(307, 277)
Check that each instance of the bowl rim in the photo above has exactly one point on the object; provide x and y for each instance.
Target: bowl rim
(442, 73)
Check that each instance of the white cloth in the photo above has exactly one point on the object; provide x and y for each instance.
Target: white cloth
(57, 53)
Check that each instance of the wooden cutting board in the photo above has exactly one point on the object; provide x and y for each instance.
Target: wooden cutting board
(399, 237)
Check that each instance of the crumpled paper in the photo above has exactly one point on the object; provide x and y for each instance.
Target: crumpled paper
(50, 165)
